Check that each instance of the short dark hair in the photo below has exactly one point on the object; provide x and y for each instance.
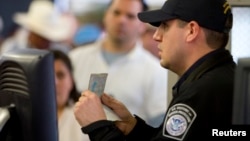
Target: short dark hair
(214, 39)
(217, 39)
(145, 6)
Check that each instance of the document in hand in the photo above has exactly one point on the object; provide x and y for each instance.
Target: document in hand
(97, 85)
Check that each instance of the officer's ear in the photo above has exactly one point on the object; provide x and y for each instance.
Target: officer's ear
(193, 30)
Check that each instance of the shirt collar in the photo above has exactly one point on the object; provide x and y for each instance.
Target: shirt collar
(194, 66)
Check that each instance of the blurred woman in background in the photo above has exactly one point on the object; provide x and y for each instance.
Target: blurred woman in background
(66, 96)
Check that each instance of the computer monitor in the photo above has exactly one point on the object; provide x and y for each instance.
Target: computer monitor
(241, 103)
(27, 93)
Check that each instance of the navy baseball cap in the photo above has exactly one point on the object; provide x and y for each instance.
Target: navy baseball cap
(211, 14)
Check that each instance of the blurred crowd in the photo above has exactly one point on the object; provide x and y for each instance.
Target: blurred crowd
(124, 49)
(45, 24)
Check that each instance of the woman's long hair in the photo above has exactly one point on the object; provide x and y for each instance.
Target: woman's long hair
(59, 55)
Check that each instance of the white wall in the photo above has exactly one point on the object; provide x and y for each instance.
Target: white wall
(80, 6)
(240, 45)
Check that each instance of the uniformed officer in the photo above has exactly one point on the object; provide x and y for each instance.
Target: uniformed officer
(192, 36)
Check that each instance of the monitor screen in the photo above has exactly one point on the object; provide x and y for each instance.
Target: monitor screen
(241, 103)
(27, 91)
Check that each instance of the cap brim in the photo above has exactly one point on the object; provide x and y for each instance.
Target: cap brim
(155, 17)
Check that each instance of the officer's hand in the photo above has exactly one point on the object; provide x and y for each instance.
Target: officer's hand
(128, 121)
(89, 109)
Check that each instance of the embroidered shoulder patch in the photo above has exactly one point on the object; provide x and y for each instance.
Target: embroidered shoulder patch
(178, 121)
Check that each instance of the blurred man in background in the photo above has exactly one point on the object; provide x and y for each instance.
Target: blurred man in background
(134, 75)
